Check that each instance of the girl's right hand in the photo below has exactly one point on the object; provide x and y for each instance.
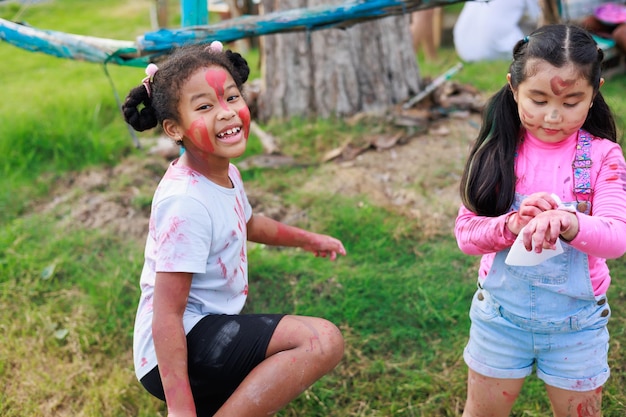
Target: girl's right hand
(530, 207)
(546, 228)
(324, 246)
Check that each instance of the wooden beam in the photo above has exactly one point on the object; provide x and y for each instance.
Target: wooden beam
(161, 42)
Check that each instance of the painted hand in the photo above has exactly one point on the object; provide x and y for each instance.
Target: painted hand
(530, 207)
(325, 246)
(544, 229)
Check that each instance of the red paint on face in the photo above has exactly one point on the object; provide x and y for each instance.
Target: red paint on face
(559, 85)
(199, 134)
(526, 117)
(244, 115)
(216, 78)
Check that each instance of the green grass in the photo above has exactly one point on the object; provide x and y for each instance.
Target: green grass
(68, 294)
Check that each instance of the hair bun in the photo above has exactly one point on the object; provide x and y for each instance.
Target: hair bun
(239, 64)
(143, 119)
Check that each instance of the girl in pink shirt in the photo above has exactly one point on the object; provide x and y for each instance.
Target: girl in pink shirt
(546, 171)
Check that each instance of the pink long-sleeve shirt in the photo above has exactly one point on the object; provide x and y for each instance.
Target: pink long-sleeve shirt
(542, 166)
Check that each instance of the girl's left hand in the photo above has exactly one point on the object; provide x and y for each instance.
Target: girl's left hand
(544, 229)
(325, 246)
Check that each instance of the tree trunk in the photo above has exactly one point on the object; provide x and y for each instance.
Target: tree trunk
(367, 67)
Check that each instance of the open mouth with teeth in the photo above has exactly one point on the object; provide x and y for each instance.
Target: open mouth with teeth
(229, 132)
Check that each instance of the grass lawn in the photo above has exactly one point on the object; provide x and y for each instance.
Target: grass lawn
(68, 291)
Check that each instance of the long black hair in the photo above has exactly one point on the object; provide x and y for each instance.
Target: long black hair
(488, 180)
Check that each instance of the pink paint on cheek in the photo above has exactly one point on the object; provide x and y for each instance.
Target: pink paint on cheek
(527, 116)
(244, 115)
(559, 85)
(216, 78)
(199, 134)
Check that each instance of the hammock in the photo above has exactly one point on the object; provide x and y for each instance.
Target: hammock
(151, 45)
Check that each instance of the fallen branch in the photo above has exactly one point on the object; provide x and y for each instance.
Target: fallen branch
(267, 141)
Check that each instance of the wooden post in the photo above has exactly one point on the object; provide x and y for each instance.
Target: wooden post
(194, 12)
(161, 12)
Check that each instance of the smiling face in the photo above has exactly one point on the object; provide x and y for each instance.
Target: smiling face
(553, 102)
(214, 117)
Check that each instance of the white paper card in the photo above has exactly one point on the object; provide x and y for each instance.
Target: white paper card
(519, 256)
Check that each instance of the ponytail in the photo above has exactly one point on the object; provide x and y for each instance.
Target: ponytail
(138, 111)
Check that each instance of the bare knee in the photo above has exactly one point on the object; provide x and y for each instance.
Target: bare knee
(324, 340)
(312, 336)
(332, 343)
(490, 396)
(587, 403)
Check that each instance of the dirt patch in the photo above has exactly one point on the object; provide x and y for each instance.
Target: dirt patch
(117, 198)
(418, 178)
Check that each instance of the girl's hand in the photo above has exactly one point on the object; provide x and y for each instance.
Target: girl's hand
(543, 230)
(324, 246)
(530, 207)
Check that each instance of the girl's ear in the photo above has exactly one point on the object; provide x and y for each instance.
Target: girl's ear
(600, 84)
(508, 80)
(172, 129)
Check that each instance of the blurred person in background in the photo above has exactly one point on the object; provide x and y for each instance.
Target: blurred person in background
(425, 30)
(488, 30)
(606, 19)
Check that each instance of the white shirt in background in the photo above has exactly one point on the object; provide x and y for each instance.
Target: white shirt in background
(487, 31)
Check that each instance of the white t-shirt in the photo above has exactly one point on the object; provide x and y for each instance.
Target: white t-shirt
(487, 31)
(199, 227)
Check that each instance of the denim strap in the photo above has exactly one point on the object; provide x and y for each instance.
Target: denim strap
(582, 164)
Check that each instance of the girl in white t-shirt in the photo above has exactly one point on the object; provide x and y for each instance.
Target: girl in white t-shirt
(192, 348)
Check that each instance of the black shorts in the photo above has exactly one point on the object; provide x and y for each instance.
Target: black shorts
(222, 351)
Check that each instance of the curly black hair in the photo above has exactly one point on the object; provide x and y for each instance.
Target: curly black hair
(144, 111)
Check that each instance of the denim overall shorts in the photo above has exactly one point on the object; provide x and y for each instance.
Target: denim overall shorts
(544, 316)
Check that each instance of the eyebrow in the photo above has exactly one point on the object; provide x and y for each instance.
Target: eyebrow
(543, 93)
(197, 96)
(202, 95)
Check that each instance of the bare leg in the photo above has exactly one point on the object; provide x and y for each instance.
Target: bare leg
(619, 35)
(490, 397)
(422, 32)
(302, 350)
(573, 403)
